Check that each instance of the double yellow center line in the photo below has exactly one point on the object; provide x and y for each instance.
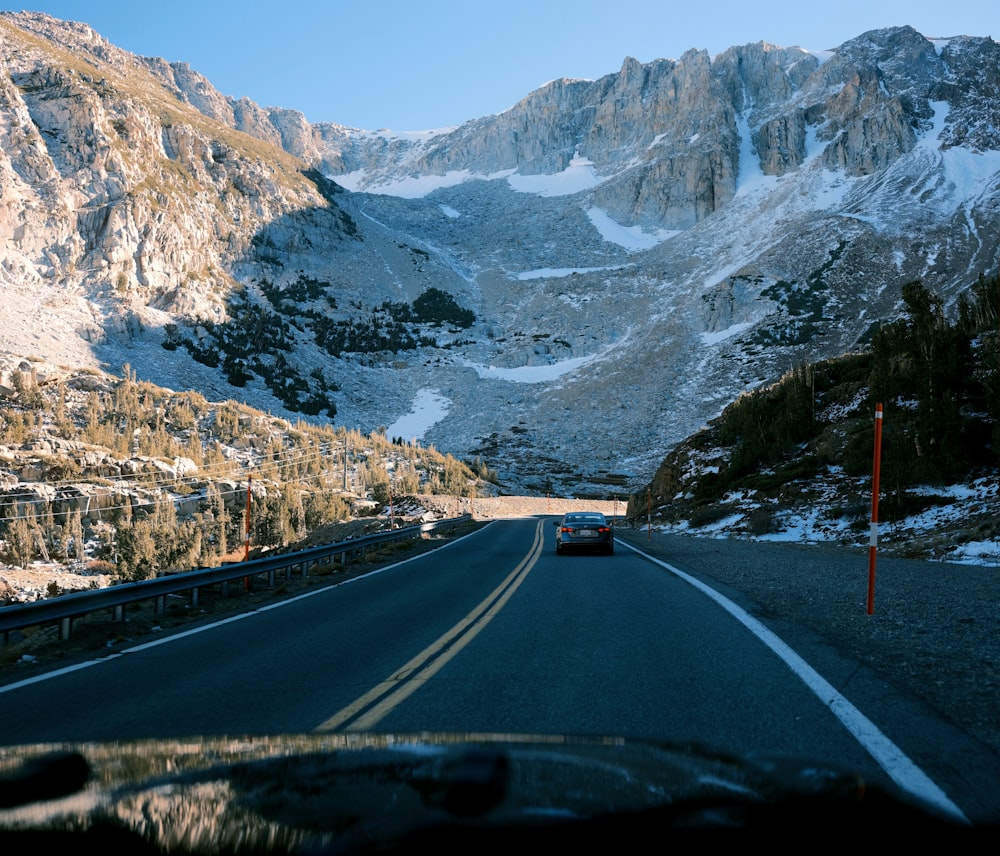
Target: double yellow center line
(378, 702)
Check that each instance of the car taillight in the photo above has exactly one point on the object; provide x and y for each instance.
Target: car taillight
(604, 529)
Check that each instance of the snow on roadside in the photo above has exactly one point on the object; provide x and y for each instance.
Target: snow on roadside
(816, 523)
(976, 553)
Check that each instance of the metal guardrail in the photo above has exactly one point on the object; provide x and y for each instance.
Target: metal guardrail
(65, 608)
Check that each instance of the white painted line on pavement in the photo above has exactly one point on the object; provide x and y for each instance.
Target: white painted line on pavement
(889, 756)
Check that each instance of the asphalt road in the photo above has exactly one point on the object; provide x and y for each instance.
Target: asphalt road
(496, 634)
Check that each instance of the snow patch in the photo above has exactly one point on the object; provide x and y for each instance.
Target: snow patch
(632, 238)
(531, 374)
(408, 187)
(579, 175)
(809, 528)
(976, 553)
(823, 56)
(750, 177)
(556, 273)
(818, 522)
(429, 407)
(729, 332)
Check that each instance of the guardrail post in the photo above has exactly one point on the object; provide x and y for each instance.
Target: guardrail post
(65, 625)
(194, 596)
(120, 613)
(160, 604)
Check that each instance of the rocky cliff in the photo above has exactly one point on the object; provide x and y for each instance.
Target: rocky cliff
(635, 250)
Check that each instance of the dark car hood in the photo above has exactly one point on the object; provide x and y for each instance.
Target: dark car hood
(382, 792)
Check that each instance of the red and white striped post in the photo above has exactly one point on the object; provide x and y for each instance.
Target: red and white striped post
(873, 532)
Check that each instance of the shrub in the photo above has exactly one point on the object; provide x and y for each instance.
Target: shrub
(761, 521)
(438, 307)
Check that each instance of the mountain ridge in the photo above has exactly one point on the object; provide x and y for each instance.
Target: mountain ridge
(658, 240)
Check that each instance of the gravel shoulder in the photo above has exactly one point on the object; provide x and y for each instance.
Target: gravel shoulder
(932, 631)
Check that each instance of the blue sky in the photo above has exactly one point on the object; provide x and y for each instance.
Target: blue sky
(410, 65)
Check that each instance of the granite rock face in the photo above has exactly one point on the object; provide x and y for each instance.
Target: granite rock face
(637, 249)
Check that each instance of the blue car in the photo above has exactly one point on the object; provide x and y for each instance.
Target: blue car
(584, 530)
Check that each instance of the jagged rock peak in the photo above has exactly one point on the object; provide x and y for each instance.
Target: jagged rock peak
(687, 227)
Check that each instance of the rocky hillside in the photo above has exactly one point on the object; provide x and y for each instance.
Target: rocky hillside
(795, 460)
(621, 257)
(107, 477)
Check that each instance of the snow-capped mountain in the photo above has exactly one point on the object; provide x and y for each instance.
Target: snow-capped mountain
(619, 257)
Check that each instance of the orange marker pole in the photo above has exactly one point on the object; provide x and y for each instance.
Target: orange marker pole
(873, 532)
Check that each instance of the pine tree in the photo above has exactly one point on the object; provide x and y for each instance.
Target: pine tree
(136, 550)
(20, 541)
(77, 542)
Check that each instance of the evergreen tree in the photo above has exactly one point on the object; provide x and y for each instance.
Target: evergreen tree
(136, 550)
(20, 541)
(924, 362)
(77, 541)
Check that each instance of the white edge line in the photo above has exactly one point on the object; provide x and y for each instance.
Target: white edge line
(889, 756)
(37, 679)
